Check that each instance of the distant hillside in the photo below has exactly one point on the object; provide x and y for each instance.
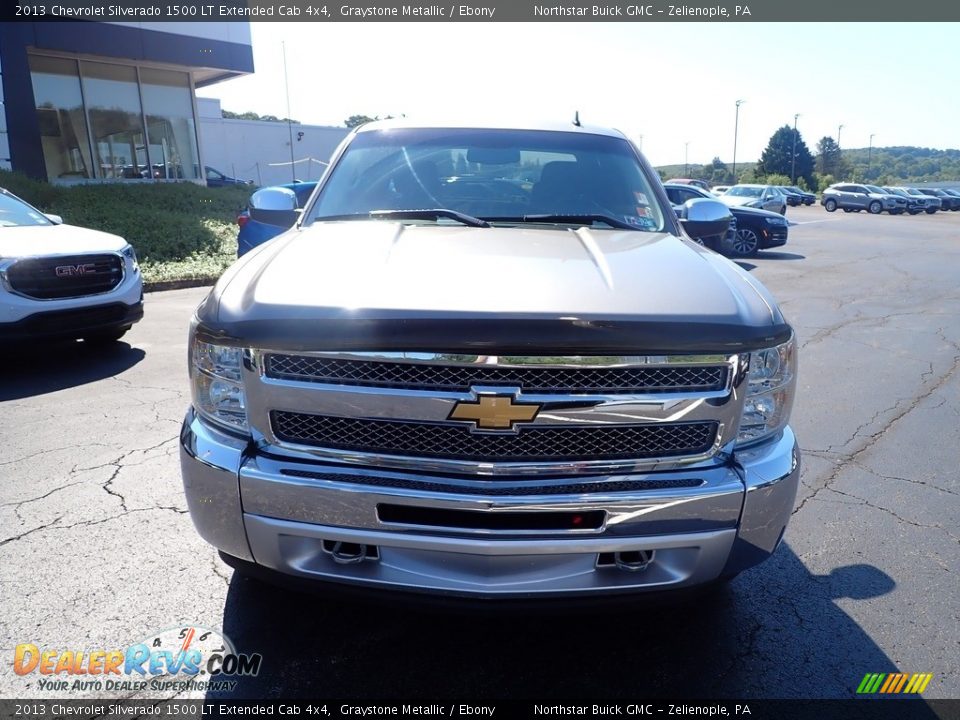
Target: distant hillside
(893, 165)
(887, 166)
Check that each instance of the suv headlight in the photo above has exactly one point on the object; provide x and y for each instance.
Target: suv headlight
(217, 384)
(771, 386)
(130, 253)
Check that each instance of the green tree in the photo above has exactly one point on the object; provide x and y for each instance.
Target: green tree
(777, 179)
(356, 120)
(250, 115)
(829, 159)
(717, 173)
(824, 181)
(777, 157)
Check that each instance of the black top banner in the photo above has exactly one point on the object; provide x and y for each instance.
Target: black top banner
(479, 11)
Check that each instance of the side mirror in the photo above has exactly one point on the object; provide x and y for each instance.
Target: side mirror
(55, 219)
(705, 218)
(274, 206)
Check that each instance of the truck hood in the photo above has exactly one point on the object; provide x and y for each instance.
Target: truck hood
(24, 241)
(427, 286)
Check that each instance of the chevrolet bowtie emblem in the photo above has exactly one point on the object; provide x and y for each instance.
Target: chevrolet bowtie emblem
(494, 412)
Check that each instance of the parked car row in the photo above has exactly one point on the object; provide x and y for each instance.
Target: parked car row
(754, 229)
(796, 196)
(764, 197)
(855, 197)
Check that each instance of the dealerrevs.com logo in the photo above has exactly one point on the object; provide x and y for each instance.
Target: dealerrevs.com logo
(179, 658)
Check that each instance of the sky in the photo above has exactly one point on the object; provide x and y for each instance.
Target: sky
(671, 87)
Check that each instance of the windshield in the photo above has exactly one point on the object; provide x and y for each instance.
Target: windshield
(14, 212)
(875, 189)
(497, 175)
(744, 191)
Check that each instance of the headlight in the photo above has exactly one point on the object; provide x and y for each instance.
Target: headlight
(130, 253)
(217, 384)
(771, 386)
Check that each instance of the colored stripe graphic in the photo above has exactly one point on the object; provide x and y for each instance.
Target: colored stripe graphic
(918, 683)
(894, 683)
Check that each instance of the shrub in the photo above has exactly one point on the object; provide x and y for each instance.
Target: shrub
(163, 221)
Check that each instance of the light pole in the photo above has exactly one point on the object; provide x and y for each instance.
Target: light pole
(793, 155)
(686, 155)
(837, 168)
(286, 85)
(736, 124)
(870, 155)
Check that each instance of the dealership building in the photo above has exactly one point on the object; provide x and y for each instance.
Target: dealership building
(90, 100)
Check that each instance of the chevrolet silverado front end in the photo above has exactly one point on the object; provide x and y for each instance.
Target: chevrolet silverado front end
(523, 383)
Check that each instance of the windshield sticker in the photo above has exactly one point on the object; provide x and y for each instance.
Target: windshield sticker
(641, 198)
(643, 212)
(641, 222)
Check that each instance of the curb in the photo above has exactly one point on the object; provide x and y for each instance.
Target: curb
(160, 285)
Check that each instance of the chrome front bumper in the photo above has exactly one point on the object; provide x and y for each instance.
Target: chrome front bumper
(295, 517)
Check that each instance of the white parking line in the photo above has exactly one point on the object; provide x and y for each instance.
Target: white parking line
(813, 222)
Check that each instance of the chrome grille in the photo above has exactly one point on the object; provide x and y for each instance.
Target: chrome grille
(546, 443)
(548, 380)
(50, 278)
(501, 486)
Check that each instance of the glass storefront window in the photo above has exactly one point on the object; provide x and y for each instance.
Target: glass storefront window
(116, 120)
(63, 126)
(168, 105)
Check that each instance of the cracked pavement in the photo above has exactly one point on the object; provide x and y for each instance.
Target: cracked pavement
(97, 550)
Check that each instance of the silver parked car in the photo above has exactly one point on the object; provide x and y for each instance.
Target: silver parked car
(932, 203)
(915, 205)
(765, 197)
(852, 197)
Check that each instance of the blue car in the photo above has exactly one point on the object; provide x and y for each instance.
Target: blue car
(254, 232)
(215, 178)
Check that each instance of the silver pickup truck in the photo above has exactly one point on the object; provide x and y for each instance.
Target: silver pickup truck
(489, 362)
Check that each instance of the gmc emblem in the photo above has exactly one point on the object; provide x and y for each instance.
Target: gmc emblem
(73, 270)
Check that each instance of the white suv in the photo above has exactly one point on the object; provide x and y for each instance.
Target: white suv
(60, 282)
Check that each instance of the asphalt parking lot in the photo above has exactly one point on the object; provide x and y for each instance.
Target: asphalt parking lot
(97, 551)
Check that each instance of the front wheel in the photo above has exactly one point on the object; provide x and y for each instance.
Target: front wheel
(830, 205)
(931, 211)
(746, 244)
(875, 207)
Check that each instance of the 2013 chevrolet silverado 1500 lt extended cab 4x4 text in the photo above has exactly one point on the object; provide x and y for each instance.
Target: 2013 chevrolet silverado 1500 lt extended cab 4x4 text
(488, 362)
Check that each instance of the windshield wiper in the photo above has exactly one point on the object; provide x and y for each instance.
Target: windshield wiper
(570, 218)
(432, 214)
